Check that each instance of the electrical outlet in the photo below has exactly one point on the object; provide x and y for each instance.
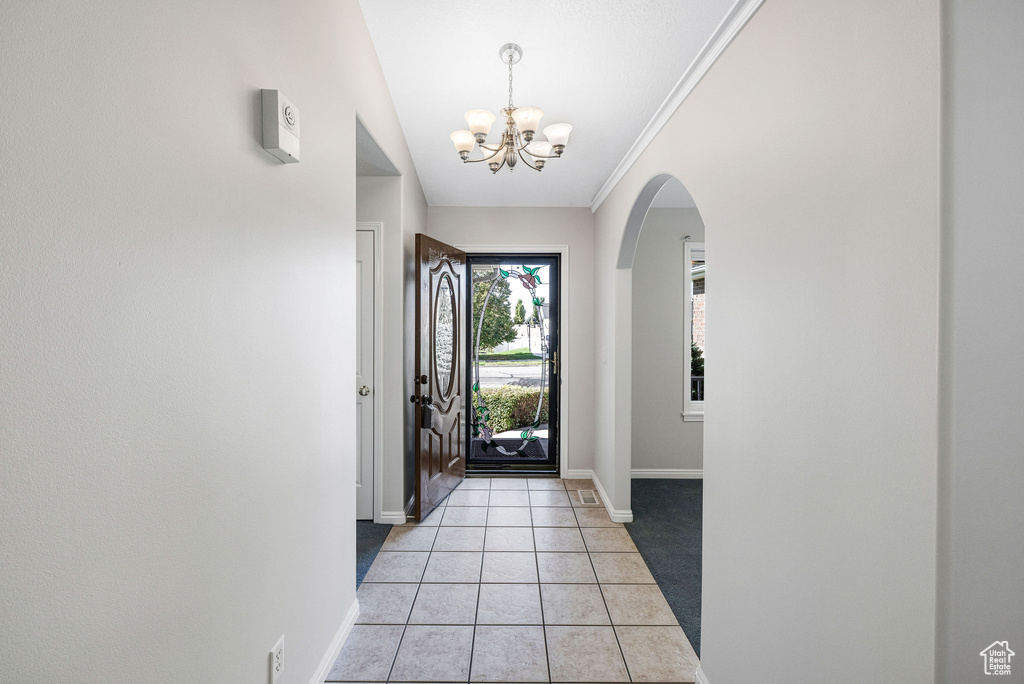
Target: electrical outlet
(277, 660)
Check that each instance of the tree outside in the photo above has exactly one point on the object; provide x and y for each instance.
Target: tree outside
(498, 326)
(520, 316)
(696, 361)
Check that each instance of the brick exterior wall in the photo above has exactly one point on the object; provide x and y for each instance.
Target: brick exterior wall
(698, 313)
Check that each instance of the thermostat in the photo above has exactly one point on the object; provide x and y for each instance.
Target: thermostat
(280, 127)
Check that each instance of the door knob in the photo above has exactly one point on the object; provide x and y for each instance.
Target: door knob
(364, 390)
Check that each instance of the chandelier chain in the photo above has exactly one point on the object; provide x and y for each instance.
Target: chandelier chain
(510, 82)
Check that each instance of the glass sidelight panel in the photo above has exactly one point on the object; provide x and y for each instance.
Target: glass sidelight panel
(513, 365)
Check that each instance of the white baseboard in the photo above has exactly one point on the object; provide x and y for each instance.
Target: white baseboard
(667, 473)
(617, 515)
(337, 643)
(392, 518)
(578, 474)
(701, 678)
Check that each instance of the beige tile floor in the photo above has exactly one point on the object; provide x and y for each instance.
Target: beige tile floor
(513, 580)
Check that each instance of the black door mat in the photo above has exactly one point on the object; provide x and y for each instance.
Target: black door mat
(534, 451)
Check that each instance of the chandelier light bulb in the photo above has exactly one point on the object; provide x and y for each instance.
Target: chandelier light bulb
(527, 120)
(558, 135)
(464, 143)
(539, 149)
(480, 121)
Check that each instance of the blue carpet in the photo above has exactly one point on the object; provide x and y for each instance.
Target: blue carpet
(369, 538)
(666, 528)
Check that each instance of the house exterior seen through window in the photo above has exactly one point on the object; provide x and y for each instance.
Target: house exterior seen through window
(693, 389)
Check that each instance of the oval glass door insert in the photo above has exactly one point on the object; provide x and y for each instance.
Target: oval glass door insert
(444, 335)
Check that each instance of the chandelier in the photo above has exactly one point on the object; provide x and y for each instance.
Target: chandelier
(520, 127)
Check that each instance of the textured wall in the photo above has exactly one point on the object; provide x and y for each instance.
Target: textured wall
(176, 335)
(812, 140)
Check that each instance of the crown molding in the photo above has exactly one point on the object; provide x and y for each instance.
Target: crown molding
(733, 22)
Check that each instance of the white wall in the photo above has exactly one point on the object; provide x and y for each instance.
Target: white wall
(379, 199)
(175, 329)
(660, 438)
(505, 226)
(981, 559)
(813, 141)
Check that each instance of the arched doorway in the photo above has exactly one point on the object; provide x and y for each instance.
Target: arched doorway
(666, 270)
(668, 341)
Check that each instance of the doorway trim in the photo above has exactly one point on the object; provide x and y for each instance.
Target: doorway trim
(378, 372)
(564, 357)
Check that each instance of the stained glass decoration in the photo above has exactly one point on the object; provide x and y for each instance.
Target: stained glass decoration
(481, 414)
(444, 335)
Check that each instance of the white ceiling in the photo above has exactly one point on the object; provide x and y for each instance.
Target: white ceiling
(604, 66)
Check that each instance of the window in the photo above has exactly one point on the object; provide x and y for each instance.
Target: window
(693, 322)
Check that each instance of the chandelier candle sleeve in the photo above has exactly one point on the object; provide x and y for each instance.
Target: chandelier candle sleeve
(518, 139)
(464, 142)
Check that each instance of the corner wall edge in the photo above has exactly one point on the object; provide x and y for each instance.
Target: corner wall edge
(337, 643)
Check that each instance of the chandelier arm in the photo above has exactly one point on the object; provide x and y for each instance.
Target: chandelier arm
(525, 161)
(504, 141)
(542, 156)
(493, 152)
(523, 147)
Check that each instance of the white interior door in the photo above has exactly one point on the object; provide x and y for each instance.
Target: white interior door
(365, 306)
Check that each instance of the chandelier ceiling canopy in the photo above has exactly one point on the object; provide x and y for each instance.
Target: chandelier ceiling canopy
(518, 137)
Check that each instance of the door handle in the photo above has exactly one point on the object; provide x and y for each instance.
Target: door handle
(364, 390)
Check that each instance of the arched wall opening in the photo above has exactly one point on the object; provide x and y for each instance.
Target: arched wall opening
(667, 435)
(651, 304)
(661, 255)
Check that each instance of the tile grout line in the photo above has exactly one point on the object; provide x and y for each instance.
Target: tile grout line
(600, 588)
(543, 622)
(480, 584)
(540, 595)
(540, 588)
(419, 584)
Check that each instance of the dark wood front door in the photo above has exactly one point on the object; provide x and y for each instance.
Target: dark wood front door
(440, 397)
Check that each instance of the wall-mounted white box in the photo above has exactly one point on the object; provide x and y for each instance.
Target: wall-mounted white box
(280, 127)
